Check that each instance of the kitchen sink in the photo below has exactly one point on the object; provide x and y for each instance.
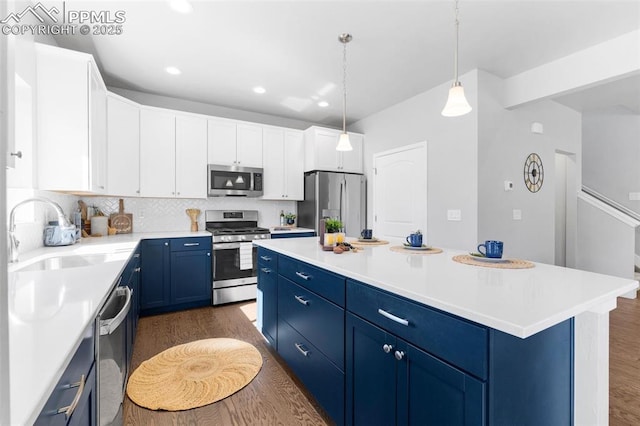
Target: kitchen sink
(70, 261)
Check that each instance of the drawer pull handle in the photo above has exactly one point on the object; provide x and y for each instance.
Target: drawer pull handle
(266, 270)
(303, 276)
(399, 355)
(191, 244)
(387, 348)
(301, 300)
(265, 258)
(301, 349)
(393, 317)
(68, 410)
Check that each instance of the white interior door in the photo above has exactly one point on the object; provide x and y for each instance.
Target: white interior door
(400, 191)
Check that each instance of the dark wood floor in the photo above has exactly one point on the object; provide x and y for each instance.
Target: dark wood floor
(272, 398)
(624, 367)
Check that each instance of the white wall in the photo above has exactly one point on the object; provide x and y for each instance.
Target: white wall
(504, 142)
(452, 158)
(611, 154)
(209, 109)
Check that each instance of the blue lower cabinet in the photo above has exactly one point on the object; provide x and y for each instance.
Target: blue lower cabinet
(293, 235)
(78, 383)
(155, 275)
(268, 295)
(323, 379)
(175, 274)
(190, 277)
(392, 382)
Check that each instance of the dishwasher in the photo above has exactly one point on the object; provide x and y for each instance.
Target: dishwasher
(112, 356)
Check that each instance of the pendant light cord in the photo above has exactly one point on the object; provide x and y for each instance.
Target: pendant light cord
(344, 87)
(455, 60)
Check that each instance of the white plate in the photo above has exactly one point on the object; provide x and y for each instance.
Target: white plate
(367, 240)
(408, 247)
(489, 259)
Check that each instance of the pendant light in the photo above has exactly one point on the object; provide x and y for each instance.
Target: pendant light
(456, 103)
(343, 142)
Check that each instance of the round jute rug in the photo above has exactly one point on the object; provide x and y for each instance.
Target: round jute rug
(194, 374)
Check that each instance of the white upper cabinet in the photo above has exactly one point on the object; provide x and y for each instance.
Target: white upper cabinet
(321, 154)
(173, 154)
(283, 164)
(191, 157)
(123, 146)
(71, 116)
(157, 153)
(234, 143)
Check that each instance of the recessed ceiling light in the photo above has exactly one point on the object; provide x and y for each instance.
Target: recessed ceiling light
(182, 6)
(173, 70)
(323, 104)
(259, 90)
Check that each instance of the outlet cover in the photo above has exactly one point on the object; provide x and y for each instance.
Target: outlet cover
(454, 215)
(634, 196)
(517, 214)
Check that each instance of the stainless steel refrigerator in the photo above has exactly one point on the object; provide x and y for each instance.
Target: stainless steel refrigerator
(335, 195)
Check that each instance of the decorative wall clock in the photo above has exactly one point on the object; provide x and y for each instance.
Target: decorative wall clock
(533, 172)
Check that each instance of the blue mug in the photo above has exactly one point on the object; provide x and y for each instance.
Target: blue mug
(367, 234)
(493, 249)
(415, 240)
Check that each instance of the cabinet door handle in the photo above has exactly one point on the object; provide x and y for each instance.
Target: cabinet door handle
(265, 258)
(387, 348)
(191, 244)
(69, 409)
(301, 300)
(266, 270)
(137, 269)
(137, 255)
(303, 276)
(17, 154)
(399, 355)
(301, 349)
(166, 244)
(393, 317)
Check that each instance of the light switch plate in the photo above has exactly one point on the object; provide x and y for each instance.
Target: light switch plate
(454, 215)
(634, 196)
(517, 214)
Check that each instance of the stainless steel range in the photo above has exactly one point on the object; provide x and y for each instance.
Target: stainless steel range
(235, 275)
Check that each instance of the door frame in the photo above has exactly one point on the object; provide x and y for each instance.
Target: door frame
(571, 205)
(422, 144)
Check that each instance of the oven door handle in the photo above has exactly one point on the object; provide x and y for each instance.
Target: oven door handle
(228, 246)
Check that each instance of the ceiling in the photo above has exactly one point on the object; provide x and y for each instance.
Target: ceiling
(291, 48)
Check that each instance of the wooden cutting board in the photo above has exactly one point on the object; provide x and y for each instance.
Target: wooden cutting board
(123, 222)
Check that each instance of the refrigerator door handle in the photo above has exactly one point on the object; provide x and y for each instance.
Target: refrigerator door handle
(343, 191)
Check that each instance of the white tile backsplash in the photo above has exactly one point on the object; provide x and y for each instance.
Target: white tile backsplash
(169, 214)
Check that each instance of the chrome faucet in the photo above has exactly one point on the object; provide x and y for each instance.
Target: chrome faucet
(13, 241)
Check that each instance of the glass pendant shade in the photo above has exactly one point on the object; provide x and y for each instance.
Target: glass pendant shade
(344, 144)
(456, 103)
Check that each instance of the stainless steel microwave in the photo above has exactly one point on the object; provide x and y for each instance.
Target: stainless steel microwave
(234, 181)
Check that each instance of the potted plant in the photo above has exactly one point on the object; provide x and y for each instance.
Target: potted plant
(332, 234)
(291, 218)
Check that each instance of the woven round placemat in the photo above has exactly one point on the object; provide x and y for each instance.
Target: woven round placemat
(509, 264)
(368, 243)
(402, 249)
(194, 374)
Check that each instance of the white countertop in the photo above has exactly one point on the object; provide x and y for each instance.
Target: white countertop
(50, 310)
(520, 302)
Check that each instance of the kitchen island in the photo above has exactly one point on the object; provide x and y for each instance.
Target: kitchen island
(525, 304)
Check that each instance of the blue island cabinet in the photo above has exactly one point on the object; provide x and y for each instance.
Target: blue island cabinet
(175, 274)
(267, 297)
(371, 357)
